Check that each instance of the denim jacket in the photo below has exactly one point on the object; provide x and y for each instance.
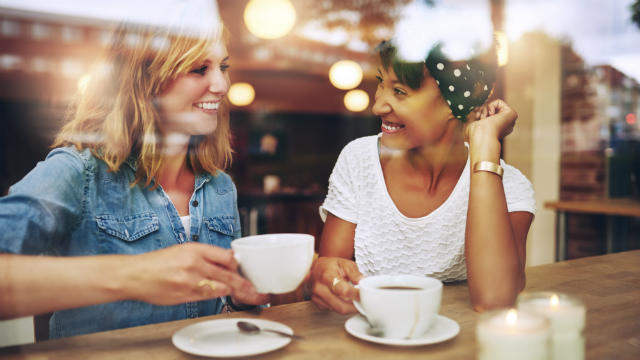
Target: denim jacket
(71, 205)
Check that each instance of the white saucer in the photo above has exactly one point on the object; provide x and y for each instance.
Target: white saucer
(444, 329)
(221, 338)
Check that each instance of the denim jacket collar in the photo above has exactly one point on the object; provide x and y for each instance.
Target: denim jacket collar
(201, 179)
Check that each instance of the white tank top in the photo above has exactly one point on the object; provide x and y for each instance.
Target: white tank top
(186, 222)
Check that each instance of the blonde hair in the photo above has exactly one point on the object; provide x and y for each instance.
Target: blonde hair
(115, 116)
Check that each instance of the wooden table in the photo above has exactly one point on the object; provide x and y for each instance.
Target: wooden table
(608, 207)
(609, 285)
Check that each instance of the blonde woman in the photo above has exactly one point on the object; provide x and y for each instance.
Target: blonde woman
(138, 168)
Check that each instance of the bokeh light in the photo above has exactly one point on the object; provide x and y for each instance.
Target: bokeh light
(345, 74)
(269, 19)
(502, 44)
(241, 94)
(83, 82)
(356, 100)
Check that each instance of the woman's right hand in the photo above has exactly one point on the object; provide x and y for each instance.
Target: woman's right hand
(184, 273)
(333, 280)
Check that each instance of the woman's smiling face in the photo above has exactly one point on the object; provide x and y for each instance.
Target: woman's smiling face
(189, 103)
(410, 118)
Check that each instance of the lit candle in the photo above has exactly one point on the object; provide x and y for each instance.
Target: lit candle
(566, 315)
(511, 334)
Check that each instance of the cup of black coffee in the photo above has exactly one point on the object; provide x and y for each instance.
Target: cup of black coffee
(400, 306)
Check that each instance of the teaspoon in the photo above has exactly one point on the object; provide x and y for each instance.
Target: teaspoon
(250, 328)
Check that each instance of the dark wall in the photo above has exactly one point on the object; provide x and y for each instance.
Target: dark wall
(27, 130)
(307, 146)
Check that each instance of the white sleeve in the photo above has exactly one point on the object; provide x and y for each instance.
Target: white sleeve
(342, 194)
(518, 190)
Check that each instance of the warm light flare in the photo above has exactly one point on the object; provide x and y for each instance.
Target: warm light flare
(512, 317)
(502, 44)
(345, 74)
(241, 94)
(554, 301)
(356, 100)
(83, 82)
(269, 19)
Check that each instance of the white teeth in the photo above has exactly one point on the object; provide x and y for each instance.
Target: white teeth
(208, 105)
(391, 127)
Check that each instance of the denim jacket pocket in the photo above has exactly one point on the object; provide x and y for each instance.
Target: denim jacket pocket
(128, 228)
(220, 230)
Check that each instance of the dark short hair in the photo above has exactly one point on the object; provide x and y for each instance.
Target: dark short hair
(408, 73)
(464, 84)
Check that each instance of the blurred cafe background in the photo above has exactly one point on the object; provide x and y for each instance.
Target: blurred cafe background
(303, 80)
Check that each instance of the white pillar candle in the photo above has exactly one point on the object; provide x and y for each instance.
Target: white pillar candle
(509, 334)
(566, 315)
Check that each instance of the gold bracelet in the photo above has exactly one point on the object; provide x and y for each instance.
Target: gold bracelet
(488, 166)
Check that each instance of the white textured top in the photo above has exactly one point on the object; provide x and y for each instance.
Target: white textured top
(386, 241)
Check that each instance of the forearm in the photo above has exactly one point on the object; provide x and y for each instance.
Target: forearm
(337, 238)
(495, 262)
(39, 284)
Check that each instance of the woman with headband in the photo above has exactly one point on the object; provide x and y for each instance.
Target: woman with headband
(429, 195)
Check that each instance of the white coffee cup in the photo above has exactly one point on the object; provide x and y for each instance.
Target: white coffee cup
(274, 263)
(400, 306)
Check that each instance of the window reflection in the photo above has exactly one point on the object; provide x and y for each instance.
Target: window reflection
(572, 74)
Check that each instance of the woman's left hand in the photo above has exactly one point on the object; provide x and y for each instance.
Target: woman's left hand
(495, 118)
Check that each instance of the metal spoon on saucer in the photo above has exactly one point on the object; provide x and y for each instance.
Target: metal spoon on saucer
(249, 328)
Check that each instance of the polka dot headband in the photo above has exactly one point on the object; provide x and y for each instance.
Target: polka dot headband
(465, 85)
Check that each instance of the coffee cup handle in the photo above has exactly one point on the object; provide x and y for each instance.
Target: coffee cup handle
(358, 305)
(360, 309)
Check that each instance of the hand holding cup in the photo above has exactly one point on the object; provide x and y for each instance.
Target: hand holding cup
(333, 284)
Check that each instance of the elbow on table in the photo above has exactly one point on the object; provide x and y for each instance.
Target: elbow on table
(484, 303)
(494, 298)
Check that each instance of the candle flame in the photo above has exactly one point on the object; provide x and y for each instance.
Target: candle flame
(553, 301)
(512, 317)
